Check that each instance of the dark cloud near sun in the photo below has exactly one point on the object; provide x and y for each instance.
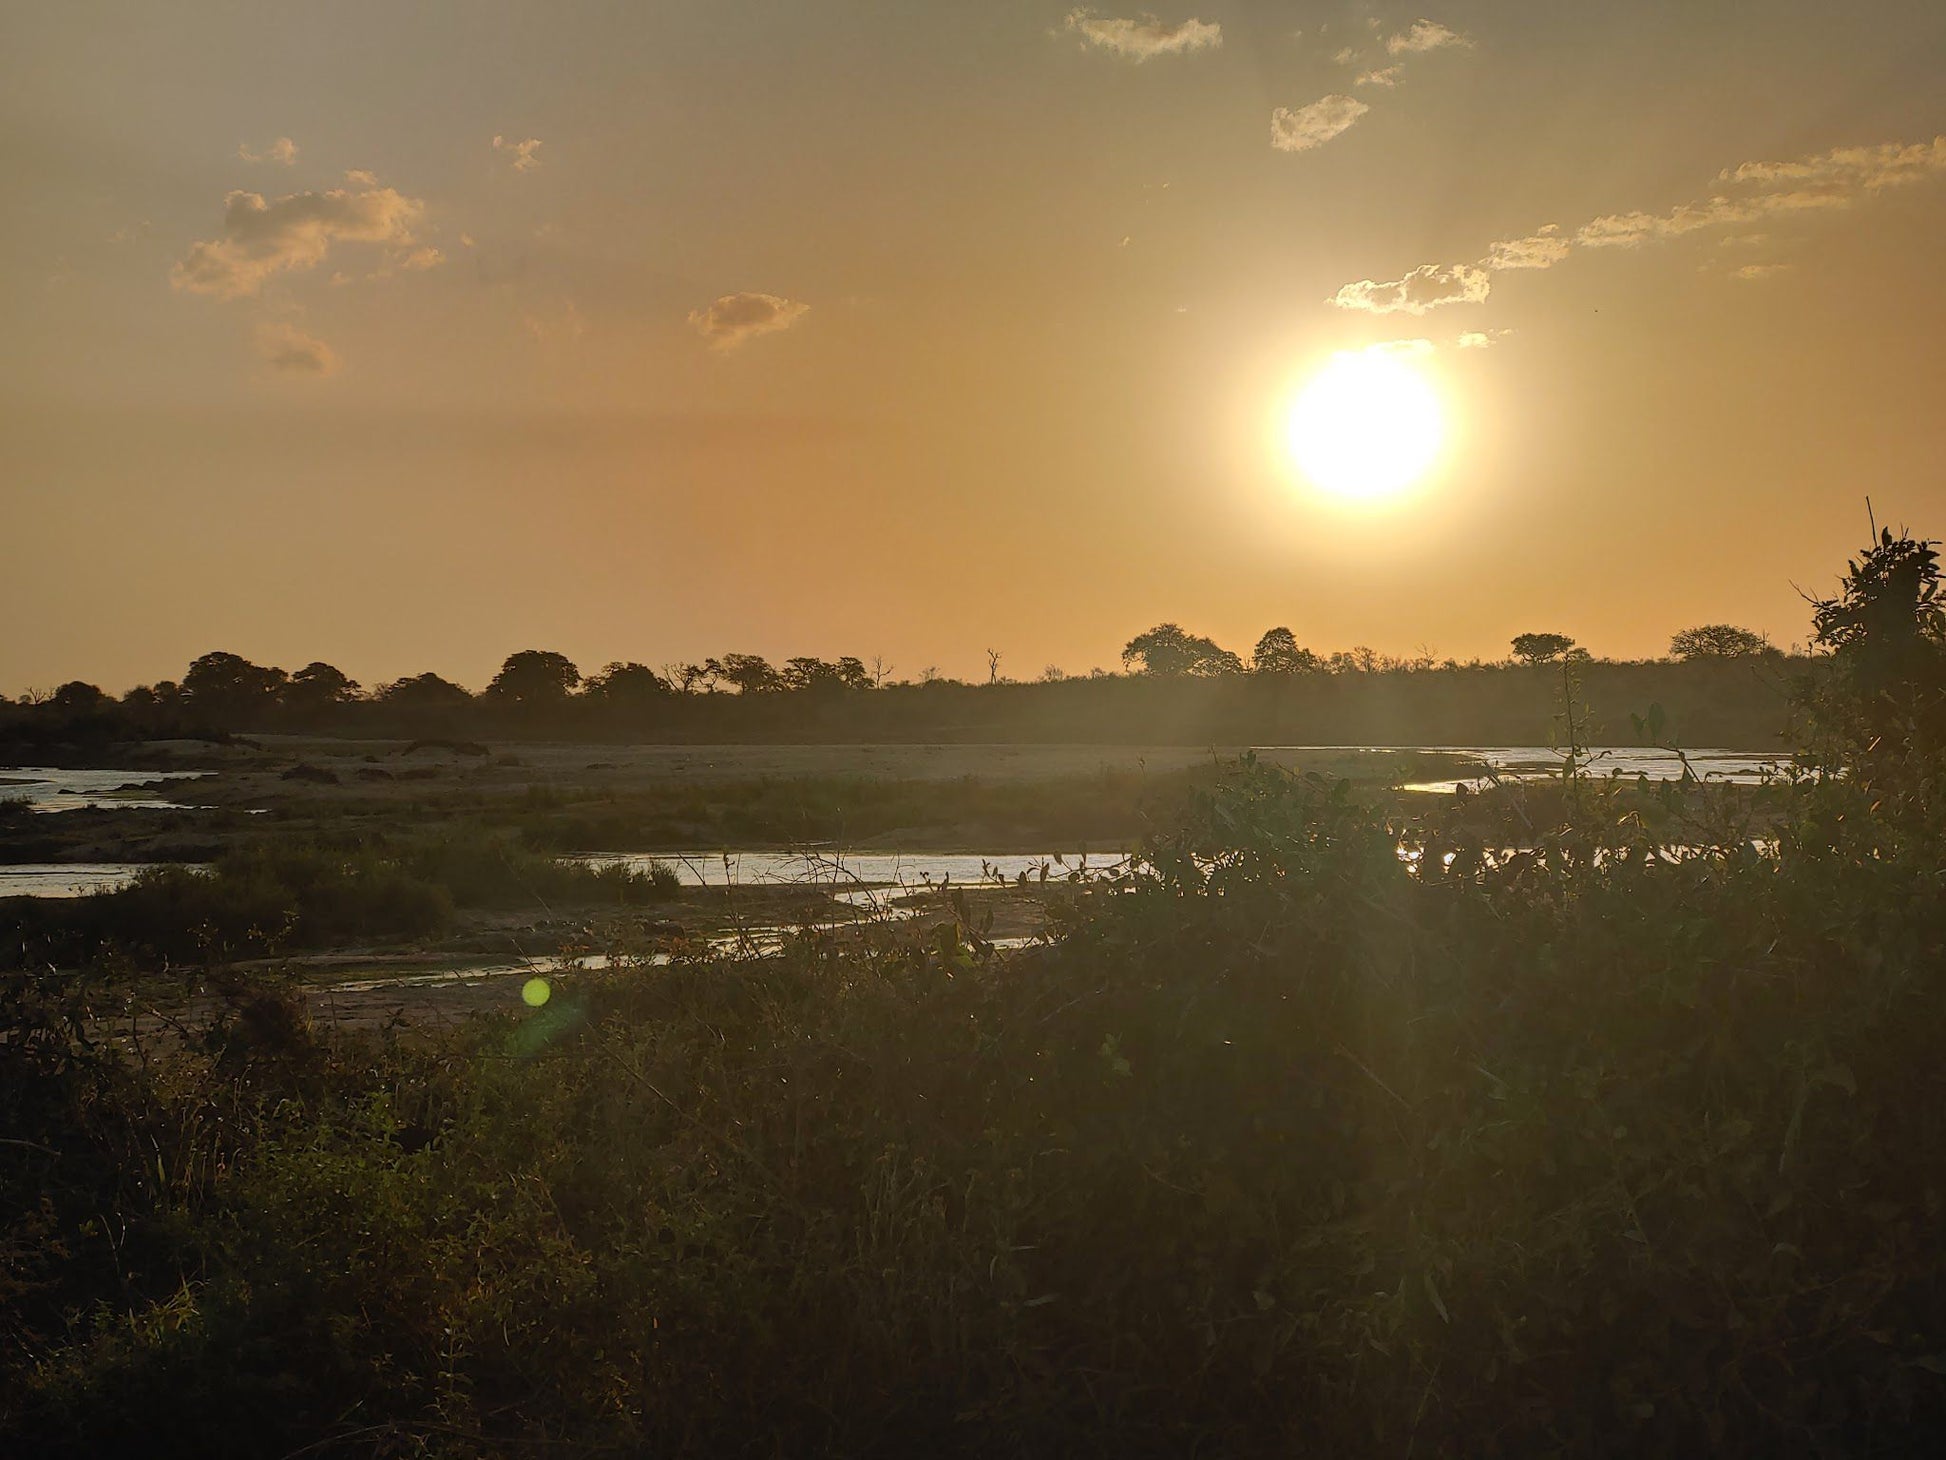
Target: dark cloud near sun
(732, 319)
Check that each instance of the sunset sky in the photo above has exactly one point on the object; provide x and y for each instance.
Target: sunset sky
(405, 336)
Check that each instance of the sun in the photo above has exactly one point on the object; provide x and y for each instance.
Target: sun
(1366, 426)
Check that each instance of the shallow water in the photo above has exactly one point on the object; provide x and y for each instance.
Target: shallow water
(44, 788)
(65, 879)
(1540, 762)
(839, 870)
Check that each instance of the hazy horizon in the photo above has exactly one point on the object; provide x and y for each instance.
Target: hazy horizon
(406, 339)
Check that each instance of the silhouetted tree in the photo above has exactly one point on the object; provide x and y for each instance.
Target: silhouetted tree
(750, 673)
(227, 689)
(1717, 641)
(319, 686)
(1168, 649)
(1541, 648)
(1885, 695)
(423, 693)
(1278, 652)
(627, 687)
(1356, 660)
(534, 677)
(77, 697)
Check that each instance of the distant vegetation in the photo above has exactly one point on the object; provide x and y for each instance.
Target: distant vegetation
(1326, 1129)
(275, 897)
(1723, 685)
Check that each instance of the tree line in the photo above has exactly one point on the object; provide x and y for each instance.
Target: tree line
(538, 692)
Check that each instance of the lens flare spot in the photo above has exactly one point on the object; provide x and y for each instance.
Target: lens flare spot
(535, 992)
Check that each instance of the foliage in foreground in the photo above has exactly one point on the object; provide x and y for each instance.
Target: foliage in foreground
(1289, 1142)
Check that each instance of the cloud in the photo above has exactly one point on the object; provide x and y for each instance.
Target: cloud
(1751, 193)
(1313, 125)
(422, 258)
(524, 159)
(358, 177)
(1481, 339)
(1760, 190)
(1848, 169)
(734, 318)
(286, 347)
(1406, 349)
(260, 239)
(1422, 36)
(1541, 249)
(1423, 289)
(1386, 76)
(1146, 38)
(1761, 271)
(283, 150)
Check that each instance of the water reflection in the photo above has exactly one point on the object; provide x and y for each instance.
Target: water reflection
(45, 788)
(1540, 762)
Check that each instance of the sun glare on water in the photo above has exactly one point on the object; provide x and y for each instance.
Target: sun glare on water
(1366, 426)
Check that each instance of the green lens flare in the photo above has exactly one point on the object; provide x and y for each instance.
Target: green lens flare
(534, 992)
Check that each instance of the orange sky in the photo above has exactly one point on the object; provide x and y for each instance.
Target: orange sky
(404, 337)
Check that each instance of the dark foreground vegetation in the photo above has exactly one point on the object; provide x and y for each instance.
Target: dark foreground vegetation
(1630, 1140)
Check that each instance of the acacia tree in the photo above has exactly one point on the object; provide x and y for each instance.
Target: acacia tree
(1541, 648)
(423, 693)
(319, 686)
(1278, 652)
(534, 677)
(1168, 649)
(750, 673)
(626, 686)
(1717, 641)
(229, 689)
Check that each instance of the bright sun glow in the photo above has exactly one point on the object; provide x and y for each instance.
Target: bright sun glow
(1366, 426)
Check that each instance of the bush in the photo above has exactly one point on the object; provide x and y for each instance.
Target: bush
(1288, 1140)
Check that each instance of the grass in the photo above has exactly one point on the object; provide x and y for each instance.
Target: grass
(276, 896)
(1285, 1142)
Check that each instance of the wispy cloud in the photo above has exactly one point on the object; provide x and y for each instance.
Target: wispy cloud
(734, 318)
(1541, 249)
(283, 150)
(1313, 125)
(1424, 289)
(260, 239)
(1422, 36)
(1481, 339)
(521, 155)
(1144, 38)
(1385, 76)
(287, 348)
(1750, 193)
